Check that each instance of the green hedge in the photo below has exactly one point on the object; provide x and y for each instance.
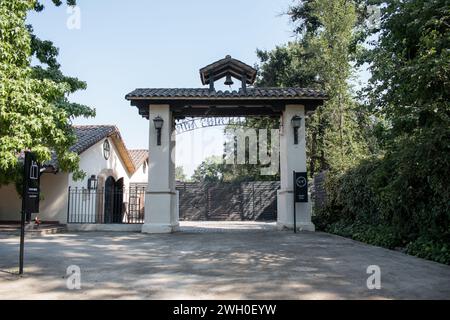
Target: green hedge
(430, 249)
(380, 235)
(400, 199)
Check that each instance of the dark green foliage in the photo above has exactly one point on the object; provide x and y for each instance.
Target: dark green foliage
(403, 193)
(285, 66)
(46, 53)
(321, 58)
(210, 170)
(303, 15)
(410, 83)
(34, 95)
(377, 235)
(407, 189)
(38, 6)
(214, 169)
(426, 248)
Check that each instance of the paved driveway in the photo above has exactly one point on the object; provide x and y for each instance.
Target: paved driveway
(200, 264)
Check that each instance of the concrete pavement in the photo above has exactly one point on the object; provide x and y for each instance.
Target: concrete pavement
(255, 263)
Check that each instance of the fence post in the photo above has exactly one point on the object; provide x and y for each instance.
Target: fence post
(76, 206)
(241, 200)
(68, 206)
(207, 201)
(253, 200)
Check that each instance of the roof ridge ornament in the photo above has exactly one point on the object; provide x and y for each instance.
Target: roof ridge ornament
(227, 68)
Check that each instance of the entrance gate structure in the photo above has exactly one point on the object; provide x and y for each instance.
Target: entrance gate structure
(163, 106)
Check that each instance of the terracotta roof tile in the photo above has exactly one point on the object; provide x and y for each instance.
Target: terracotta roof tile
(89, 135)
(206, 93)
(138, 156)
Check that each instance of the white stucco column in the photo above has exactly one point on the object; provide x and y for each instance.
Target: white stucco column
(161, 198)
(292, 158)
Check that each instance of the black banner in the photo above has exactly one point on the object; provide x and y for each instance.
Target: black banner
(300, 187)
(164, 309)
(31, 184)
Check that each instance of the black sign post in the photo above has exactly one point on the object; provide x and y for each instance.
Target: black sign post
(300, 192)
(30, 198)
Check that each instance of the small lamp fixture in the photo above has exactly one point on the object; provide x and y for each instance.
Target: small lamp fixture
(92, 182)
(158, 122)
(296, 124)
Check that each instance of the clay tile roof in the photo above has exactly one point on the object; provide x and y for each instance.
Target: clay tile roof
(193, 93)
(138, 156)
(235, 67)
(89, 135)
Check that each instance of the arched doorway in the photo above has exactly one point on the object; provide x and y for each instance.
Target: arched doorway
(113, 200)
(109, 199)
(118, 202)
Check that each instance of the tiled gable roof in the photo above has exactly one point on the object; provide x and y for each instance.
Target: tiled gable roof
(138, 156)
(225, 66)
(206, 93)
(89, 135)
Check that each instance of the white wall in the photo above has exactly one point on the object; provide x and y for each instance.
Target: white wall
(10, 203)
(140, 176)
(53, 203)
(93, 162)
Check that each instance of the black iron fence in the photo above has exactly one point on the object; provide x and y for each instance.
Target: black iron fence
(106, 205)
(198, 201)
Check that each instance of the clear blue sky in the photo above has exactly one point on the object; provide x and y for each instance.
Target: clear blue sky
(123, 45)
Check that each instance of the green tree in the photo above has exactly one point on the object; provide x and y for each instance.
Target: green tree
(400, 197)
(179, 174)
(303, 14)
(410, 87)
(46, 53)
(34, 111)
(410, 84)
(246, 171)
(285, 66)
(328, 34)
(210, 170)
(343, 141)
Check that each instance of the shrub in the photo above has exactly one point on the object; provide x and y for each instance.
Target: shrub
(380, 235)
(429, 249)
(399, 199)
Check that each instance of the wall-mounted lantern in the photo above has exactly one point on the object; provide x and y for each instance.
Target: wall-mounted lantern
(158, 122)
(296, 124)
(92, 182)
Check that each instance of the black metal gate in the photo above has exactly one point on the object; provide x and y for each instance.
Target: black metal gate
(245, 201)
(112, 204)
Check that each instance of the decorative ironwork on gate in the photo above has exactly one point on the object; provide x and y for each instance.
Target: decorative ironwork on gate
(105, 205)
(191, 124)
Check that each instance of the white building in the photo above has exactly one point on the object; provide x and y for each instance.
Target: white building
(119, 174)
